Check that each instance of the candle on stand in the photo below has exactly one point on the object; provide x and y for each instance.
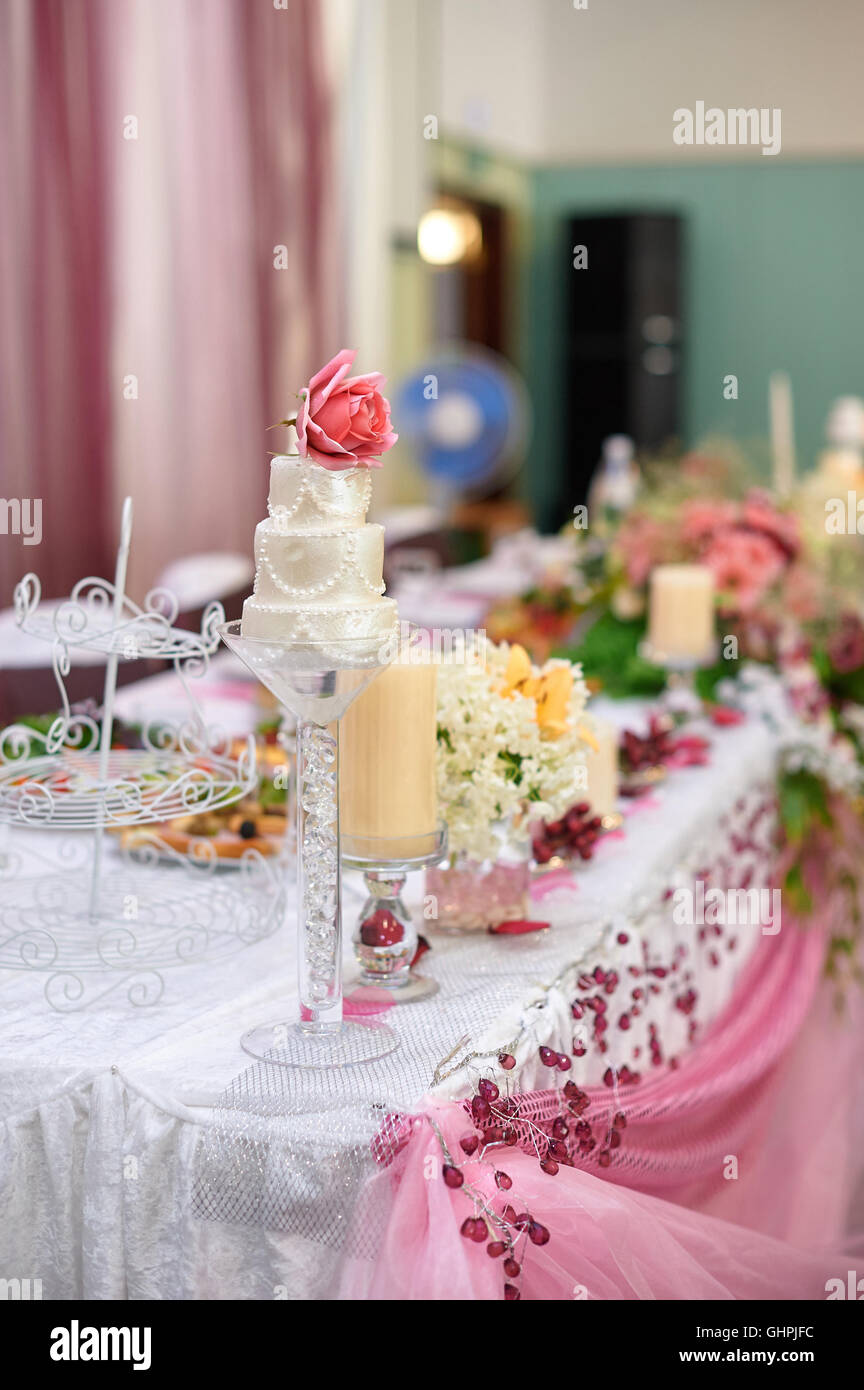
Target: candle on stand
(782, 432)
(387, 758)
(602, 769)
(842, 462)
(681, 614)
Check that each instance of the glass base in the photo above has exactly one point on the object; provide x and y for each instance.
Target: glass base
(414, 987)
(286, 1044)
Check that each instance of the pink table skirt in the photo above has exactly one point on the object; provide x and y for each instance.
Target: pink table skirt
(731, 1178)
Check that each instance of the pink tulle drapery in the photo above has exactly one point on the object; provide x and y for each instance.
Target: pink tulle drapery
(733, 1179)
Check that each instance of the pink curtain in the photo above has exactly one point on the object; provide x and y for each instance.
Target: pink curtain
(169, 270)
(55, 389)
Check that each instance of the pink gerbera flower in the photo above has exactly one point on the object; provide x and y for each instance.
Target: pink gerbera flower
(745, 565)
(760, 513)
(701, 518)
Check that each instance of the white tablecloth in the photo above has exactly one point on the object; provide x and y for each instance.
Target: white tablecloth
(102, 1109)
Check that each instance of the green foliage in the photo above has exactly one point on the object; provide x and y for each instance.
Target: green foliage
(609, 652)
(513, 763)
(846, 685)
(42, 723)
(557, 601)
(796, 893)
(443, 735)
(803, 804)
(270, 725)
(270, 795)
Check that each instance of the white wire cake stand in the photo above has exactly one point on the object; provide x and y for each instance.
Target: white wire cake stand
(66, 908)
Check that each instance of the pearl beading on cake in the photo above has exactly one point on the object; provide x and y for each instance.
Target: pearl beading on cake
(335, 623)
(306, 493)
(318, 562)
(349, 566)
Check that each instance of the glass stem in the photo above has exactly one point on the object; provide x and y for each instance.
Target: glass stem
(682, 684)
(319, 920)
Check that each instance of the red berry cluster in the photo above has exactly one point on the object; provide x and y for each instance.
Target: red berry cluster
(559, 1141)
(641, 754)
(654, 1045)
(574, 835)
(649, 750)
(499, 1232)
(624, 1076)
(494, 1118)
(593, 1005)
(686, 1002)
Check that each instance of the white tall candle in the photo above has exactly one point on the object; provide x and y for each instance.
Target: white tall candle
(782, 432)
(681, 616)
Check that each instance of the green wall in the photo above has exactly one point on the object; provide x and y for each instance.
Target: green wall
(774, 280)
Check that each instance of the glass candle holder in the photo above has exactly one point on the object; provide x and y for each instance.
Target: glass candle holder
(385, 937)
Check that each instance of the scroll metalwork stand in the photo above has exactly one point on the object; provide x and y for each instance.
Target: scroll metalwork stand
(89, 926)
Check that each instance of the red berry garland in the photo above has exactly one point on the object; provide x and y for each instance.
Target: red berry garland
(573, 836)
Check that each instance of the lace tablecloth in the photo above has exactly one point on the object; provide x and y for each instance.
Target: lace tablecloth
(103, 1108)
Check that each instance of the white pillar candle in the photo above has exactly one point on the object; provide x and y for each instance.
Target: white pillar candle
(840, 466)
(681, 621)
(602, 768)
(387, 756)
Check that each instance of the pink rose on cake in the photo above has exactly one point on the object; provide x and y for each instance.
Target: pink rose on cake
(344, 421)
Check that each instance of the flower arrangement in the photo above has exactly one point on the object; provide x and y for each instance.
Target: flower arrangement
(539, 620)
(791, 595)
(748, 544)
(511, 747)
(784, 591)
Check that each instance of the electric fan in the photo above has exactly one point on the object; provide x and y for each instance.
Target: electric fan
(467, 413)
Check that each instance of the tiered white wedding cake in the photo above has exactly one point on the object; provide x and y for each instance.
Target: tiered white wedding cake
(319, 564)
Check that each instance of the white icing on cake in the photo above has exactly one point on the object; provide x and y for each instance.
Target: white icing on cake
(318, 563)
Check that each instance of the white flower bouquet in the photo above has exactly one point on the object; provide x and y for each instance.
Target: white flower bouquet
(511, 747)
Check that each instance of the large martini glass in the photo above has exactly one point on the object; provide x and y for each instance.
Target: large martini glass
(316, 681)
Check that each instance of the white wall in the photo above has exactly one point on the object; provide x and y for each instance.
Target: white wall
(541, 79)
(492, 60)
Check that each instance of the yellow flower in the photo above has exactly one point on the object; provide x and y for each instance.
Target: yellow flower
(553, 697)
(550, 690)
(519, 671)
